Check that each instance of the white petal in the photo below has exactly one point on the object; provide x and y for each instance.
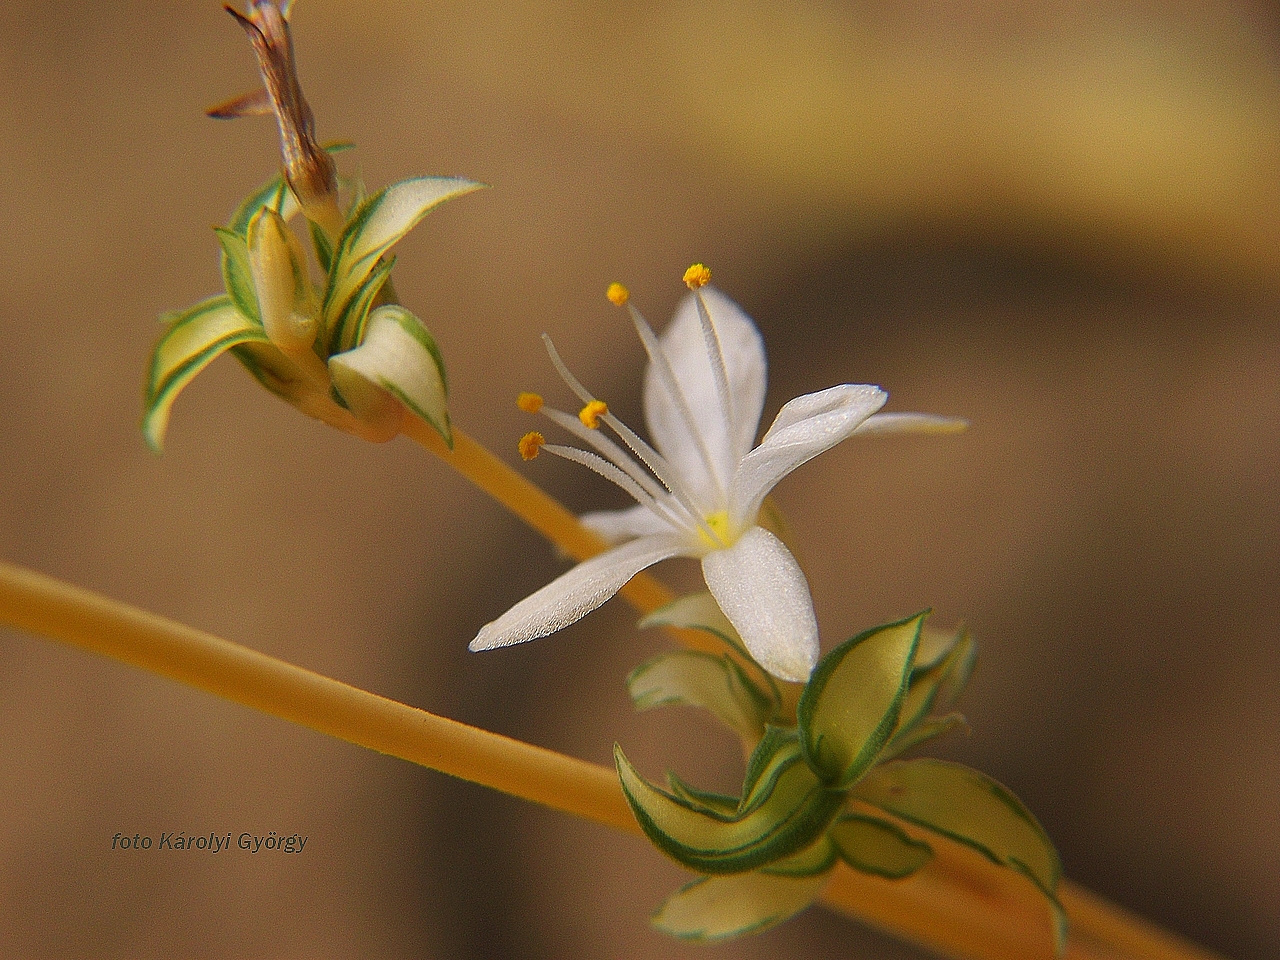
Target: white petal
(804, 428)
(686, 351)
(619, 525)
(911, 423)
(576, 593)
(763, 592)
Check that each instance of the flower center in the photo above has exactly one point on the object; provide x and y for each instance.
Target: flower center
(718, 524)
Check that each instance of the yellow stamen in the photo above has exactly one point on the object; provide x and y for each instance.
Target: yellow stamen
(699, 275)
(617, 294)
(530, 443)
(529, 402)
(590, 414)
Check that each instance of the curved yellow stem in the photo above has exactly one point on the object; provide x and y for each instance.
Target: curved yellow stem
(960, 905)
(42, 605)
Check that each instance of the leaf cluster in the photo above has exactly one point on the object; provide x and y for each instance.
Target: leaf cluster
(342, 350)
(828, 785)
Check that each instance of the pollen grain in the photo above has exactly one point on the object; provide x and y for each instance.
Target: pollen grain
(529, 402)
(618, 294)
(699, 275)
(590, 414)
(530, 443)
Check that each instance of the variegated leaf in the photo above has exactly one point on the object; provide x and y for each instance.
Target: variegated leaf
(877, 846)
(788, 810)
(399, 358)
(973, 809)
(237, 273)
(719, 908)
(705, 680)
(381, 221)
(850, 705)
(195, 338)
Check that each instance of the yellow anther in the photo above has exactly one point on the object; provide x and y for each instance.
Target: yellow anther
(699, 275)
(617, 294)
(530, 443)
(590, 414)
(529, 402)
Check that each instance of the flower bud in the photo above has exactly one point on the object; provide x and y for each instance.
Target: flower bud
(279, 276)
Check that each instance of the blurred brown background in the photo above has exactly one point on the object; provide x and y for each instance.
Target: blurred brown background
(1059, 220)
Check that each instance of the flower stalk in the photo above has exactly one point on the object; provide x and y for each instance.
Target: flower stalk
(960, 905)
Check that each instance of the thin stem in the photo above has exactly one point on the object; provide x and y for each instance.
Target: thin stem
(38, 604)
(960, 905)
(540, 511)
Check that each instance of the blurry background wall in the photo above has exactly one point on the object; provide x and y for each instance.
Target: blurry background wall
(1056, 219)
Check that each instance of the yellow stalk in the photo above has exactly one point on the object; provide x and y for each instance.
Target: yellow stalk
(960, 905)
(38, 604)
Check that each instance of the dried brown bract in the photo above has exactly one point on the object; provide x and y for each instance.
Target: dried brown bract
(308, 169)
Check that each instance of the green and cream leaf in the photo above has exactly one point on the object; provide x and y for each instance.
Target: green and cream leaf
(705, 680)
(877, 846)
(237, 273)
(921, 732)
(850, 706)
(381, 221)
(789, 812)
(817, 858)
(717, 804)
(699, 611)
(719, 908)
(346, 322)
(397, 357)
(696, 611)
(194, 339)
(973, 809)
(937, 684)
(967, 806)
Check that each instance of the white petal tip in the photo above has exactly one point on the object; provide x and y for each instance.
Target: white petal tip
(923, 423)
(792, 671)
(489, 639)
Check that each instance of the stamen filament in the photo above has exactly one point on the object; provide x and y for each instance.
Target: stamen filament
(715, 356)
(658, 357)
(607, 448)
(570, 380)
(661, 469)
(598, 464)
(647, 455)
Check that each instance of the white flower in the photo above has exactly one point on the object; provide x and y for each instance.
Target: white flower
(699, 493)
